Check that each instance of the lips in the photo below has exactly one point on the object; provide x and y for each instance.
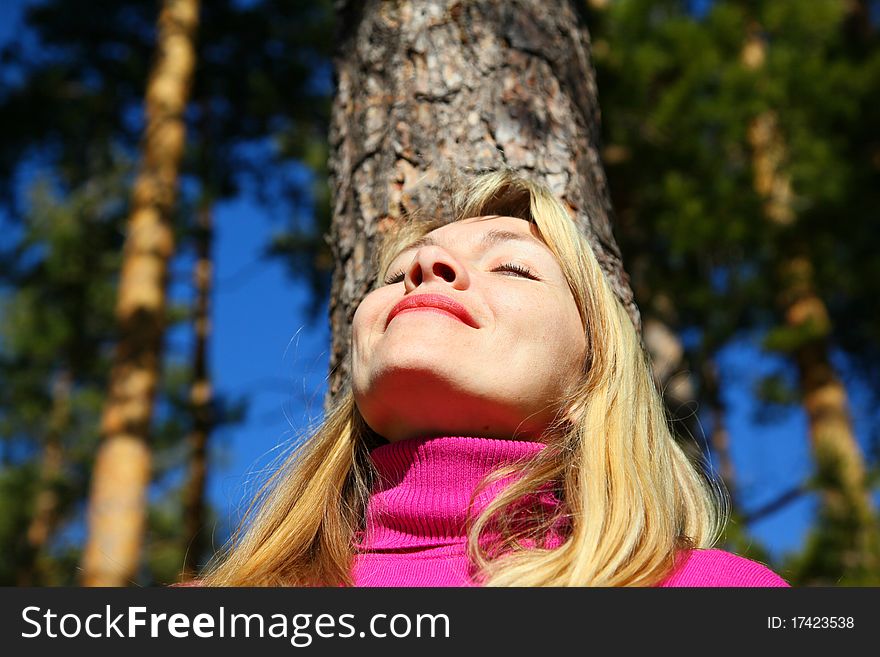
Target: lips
(433, 301)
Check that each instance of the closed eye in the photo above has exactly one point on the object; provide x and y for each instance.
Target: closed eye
(519, 269)
(508, 266)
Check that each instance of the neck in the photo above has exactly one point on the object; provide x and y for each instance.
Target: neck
(422, 497)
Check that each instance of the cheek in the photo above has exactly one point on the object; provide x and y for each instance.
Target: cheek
(566, 335)
(360, 328)
(541, 328)
(365, 321)
(367, 311)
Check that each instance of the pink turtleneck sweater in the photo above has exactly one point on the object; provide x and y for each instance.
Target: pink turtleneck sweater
(415, 522)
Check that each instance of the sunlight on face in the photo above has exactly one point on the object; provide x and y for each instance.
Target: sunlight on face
(494, 361)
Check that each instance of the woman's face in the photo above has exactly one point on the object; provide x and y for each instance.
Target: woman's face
(498, 373)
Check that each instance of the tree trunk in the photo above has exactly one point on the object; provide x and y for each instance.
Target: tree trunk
(675, 382)
(845, 497)
(858, 24)
(670, 367)
(200, 398)
(45, 515)
(719, 438)
(438, 87)
(117, 503)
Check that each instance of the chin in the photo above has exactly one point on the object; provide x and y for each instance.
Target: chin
(398, 401)
(416, 366)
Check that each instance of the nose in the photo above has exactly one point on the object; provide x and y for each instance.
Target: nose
(435, 263)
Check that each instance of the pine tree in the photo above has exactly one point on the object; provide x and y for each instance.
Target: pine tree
(117, 503)
(201, 399)
(255, 87)
(694, 185)
(55, 327)
(427, 87)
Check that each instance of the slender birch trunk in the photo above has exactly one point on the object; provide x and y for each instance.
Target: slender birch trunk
(434, 87)
(118, 498)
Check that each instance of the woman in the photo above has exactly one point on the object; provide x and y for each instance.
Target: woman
(501, 428)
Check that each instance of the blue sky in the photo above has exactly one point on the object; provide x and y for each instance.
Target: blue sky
(264, 349)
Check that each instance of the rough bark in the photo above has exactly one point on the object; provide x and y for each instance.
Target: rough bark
(844, 495)
(431, 88)
(200, 399)
(117, 503)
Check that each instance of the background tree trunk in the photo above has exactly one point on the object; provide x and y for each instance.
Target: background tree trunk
(719, 438)
(675, 383)
(200, 398)
(438, 87)
(45, 514)
(846, 503)
(117, 504)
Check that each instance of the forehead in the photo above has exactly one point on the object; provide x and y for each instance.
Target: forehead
(478, 225)
(486, 230)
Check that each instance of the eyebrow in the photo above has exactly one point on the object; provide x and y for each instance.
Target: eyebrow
(490, 238)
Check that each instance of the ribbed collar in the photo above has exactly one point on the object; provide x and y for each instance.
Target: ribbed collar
(425, 484)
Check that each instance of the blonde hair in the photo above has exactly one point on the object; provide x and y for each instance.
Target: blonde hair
(630, 500)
